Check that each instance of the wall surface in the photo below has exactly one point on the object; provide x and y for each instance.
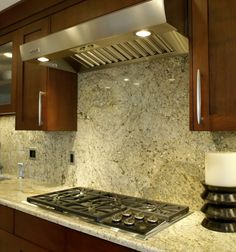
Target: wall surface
(133, 136)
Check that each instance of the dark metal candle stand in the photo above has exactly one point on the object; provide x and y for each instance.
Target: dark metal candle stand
(220, 208)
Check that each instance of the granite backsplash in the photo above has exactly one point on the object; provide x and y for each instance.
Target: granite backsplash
(133, 136)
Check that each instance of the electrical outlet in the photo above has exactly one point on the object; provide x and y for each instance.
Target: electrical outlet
(32, 153)
(72, 157)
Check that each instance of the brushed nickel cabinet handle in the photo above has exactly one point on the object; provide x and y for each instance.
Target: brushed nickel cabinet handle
(199, 98)
(40, 108)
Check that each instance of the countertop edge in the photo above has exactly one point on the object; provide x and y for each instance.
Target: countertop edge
(98, 231)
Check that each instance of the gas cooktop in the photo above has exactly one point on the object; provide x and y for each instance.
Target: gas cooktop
(136, 215)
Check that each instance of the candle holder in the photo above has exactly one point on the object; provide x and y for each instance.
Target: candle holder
(220, 208)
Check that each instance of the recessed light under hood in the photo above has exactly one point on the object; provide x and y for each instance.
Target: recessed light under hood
(109, 40)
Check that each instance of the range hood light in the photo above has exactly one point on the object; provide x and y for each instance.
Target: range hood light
(93, 44)
(8, 55)
(143, 33)
(43, 59)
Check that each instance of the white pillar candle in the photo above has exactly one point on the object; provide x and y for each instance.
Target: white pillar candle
(220, 169)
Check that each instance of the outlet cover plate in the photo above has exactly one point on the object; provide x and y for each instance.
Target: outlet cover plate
(72, 157)
(32, 153)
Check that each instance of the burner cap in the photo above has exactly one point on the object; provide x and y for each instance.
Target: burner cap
(127, 213)
(129, 221)
(117, 218)
(152, 219)
(139, 216)
(148, 207)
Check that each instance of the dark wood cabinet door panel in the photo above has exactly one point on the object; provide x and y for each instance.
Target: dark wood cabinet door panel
(24, 10)
(11, 243)
(222, 74)
(31, 80)
(6, 219)
(212, 51)
(80, 242)
(199, 62)
(41, 232)
(24, 13)
(33, 234)
(7, 242)
(61, 101)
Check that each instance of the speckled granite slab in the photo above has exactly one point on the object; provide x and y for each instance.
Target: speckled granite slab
(133, 136)
(185, 235)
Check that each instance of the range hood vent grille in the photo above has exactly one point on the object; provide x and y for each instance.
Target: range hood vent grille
(122, 52)
(95, 44)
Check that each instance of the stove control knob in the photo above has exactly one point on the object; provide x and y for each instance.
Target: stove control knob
(152, 219)
(129, 221)
(139, 216)
(117, 218)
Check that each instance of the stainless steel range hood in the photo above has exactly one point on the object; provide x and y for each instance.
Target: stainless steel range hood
(109, 40)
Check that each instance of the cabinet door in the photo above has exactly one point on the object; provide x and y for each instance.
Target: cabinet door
(222, 74)
(6, 219)
(31, 80)
(60, 99)
(8, 64)
(45, 234)
(11, 243)
(213, 43)
(199, 81)
(77, 241)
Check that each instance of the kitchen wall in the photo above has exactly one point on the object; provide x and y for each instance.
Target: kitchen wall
(133, 136)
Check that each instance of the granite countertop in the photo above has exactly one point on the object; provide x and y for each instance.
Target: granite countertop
(185, 235)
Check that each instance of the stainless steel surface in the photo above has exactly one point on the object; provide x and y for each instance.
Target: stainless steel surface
(40, 121)
(199, 98)
(21, 170)
(140, 217)
(95, 44)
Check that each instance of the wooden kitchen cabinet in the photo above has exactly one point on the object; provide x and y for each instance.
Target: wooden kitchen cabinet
(212, 65)
(8, 64)
(46, 98)
(11, 243)
(45, 234)
(21, 232)
(6, 219)
(57, 238)
(77, 241)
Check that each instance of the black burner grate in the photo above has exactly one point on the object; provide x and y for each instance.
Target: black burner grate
(103, 207)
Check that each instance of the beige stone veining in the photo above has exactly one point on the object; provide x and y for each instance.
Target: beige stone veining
(185, 235)
(133, 136)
